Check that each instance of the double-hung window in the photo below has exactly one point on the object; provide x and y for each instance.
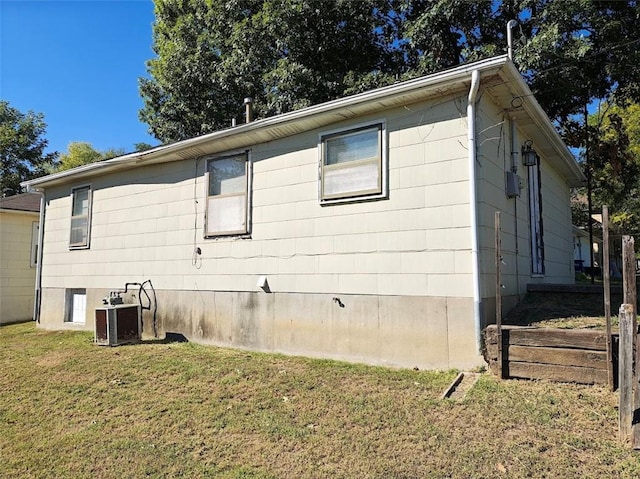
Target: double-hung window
(353, 164)
(80, 217)
(228, 195)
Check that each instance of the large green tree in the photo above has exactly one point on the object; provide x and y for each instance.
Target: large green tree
(286, 54)
(289, 54)
(82, 153)
(615, 163)
(22, 146)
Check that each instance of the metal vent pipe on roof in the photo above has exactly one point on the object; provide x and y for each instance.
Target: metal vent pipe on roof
(248, 106)
(511, 24)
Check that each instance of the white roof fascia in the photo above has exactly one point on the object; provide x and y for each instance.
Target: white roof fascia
(266, 126)
(330, 112)
(20, 212)
(545, 125)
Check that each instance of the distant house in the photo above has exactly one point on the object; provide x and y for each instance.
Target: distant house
(582, 252)
(19, 216)
(359, 229)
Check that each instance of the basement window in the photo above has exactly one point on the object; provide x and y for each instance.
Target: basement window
(353, 164)
(228, 195)
(80, 217)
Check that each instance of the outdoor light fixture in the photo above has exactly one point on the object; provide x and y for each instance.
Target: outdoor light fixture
(529, 155)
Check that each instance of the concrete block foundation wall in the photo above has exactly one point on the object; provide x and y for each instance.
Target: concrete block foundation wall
(397, 331)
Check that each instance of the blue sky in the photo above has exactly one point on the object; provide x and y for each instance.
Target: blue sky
(78, 62)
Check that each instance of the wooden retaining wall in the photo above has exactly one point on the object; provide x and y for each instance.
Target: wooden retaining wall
(564, 355)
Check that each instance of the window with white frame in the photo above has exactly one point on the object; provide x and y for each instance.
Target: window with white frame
(353, 164)
(228, 195)
(80, 217)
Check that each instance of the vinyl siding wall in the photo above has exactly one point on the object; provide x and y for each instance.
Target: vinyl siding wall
(400, 267)
(146, 223)
(17, 276)
(494, 160)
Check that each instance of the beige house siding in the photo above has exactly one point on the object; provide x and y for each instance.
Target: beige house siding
(17, 276)
(388, 281)
(494, 160)
(391, 246)
(146, 224)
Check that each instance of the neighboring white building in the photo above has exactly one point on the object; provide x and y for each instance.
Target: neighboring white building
(581, 251)
(18, 250)
(359, 229)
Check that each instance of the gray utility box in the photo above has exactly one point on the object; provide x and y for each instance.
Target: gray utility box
(118, 324)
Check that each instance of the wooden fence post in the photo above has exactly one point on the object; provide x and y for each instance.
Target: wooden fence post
(631, 301)
(625, 371)
(607, 292)
(499, 294)
(629, 272)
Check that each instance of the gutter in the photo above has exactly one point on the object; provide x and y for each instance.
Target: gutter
(475, 261)
(38, 288)
(279, 126)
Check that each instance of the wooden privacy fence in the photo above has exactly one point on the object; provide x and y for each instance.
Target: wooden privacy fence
(567, 355)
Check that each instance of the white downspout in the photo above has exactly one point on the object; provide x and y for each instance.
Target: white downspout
(475, 267)
(38, 289)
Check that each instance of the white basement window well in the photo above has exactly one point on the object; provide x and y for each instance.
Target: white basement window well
(228, 180)
(80, 217)
(353, 164)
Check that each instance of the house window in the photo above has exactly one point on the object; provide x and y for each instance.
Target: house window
(353, 164)
(76, 305)
(535, 219)
(228, 195)
(80, 217)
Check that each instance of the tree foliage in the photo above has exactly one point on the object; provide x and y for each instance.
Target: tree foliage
(284, 54)
(82, 153)
(289, 54)
(22, 146)
(615, 163)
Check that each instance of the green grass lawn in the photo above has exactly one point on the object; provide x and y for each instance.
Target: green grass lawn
(71, 409)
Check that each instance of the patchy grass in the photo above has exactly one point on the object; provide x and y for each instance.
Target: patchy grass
(72, 409)
(563, 310)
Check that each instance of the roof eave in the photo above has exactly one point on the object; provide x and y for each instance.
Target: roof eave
(568, 164)
(269, 129)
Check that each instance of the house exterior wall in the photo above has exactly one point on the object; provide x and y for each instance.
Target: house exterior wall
(17, 276)
(384, 282)
(401, 267)
(494, 157)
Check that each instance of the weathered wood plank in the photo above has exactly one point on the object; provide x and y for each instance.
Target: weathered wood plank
(560, 356)
(551, 337)
(554, 372)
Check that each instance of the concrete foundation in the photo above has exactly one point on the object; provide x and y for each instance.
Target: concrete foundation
(397, 331)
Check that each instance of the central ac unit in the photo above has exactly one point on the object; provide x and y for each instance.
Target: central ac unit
(118, 324)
